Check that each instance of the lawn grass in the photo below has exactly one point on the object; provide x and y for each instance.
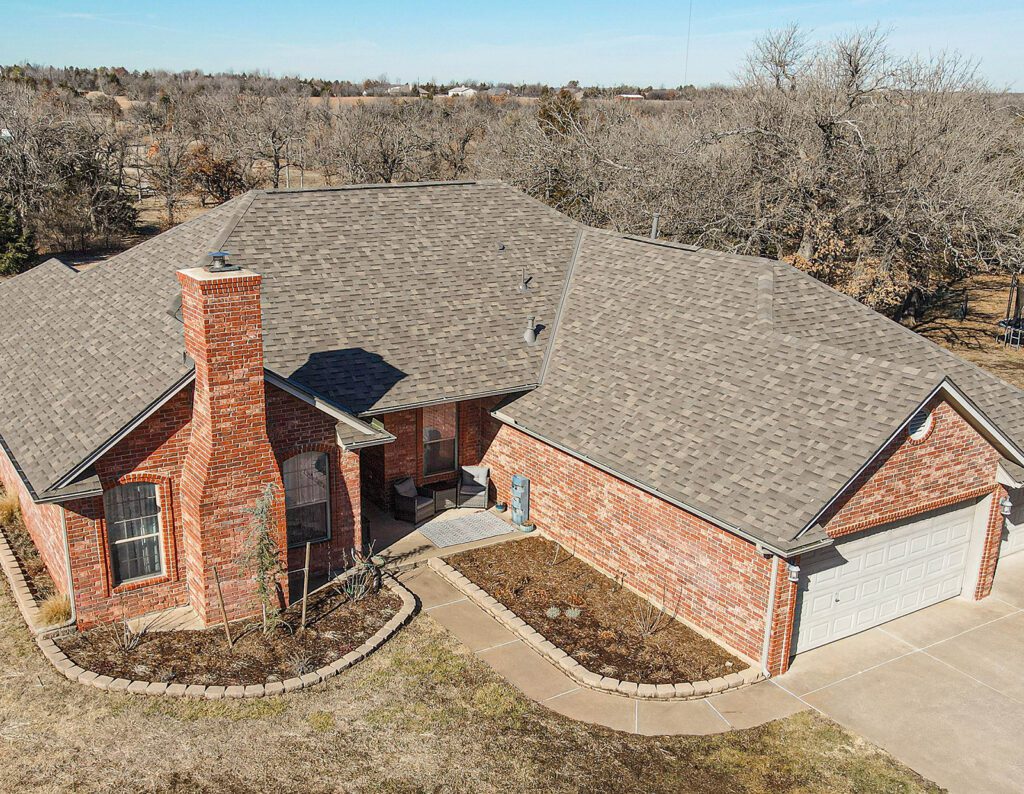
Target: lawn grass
(422, 714)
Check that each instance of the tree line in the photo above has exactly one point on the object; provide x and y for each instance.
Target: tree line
(887, 177)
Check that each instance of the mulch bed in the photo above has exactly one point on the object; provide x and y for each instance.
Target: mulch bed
(609, 635)
(40, 583)
(335, 625)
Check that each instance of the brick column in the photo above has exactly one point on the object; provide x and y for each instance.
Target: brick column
(990, 553)
(229, 460)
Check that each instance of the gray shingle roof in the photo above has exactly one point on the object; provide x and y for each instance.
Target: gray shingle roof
(735, 385)
(374, 298)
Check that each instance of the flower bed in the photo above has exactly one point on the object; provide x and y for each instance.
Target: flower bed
(607, 629)
(336, 626)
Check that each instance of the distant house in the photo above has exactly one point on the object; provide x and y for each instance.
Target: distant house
(630, 97)
(462, 90)
(497, 91)
(399, 90)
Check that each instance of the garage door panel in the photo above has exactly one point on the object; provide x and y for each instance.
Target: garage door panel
(871, 578)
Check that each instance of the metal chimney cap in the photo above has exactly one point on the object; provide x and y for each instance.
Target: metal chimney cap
(220, 262)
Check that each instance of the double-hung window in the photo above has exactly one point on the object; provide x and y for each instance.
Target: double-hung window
(307, 498)
(133, 531)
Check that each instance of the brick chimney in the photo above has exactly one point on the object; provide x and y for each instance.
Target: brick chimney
(229, 460)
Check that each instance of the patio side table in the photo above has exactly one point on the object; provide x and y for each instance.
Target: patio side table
(446, 495)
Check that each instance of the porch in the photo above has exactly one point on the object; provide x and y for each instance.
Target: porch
(406, 545)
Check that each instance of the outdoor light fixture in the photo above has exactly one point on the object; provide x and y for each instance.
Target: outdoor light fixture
(1005, 506)
(794, 572)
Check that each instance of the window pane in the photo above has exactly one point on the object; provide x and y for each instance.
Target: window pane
(133, 531)
(439, 422)
(440, 428)
(137, 558)
(306, 497)
(307, 524)
(305, 478)
(439, 457)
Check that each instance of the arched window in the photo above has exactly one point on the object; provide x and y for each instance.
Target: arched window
(133, 531)
(307, 498)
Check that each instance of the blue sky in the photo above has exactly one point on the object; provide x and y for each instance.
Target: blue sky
(595, 42)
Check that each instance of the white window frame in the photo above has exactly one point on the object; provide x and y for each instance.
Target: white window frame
(113, 544)
(327, 500)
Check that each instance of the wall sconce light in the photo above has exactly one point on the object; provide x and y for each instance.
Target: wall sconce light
(794, 572)
(1005, 506)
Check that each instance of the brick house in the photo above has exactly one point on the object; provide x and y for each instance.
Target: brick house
(776, 463)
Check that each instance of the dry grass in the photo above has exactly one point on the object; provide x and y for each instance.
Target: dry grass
(10, 509)
(55, 609)
(40, 583)
(421, 714)
(976, 338)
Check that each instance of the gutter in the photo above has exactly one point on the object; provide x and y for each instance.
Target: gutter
(758, 542)
(443, 400)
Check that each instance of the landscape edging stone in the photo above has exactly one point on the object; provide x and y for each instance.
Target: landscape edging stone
(73, 672)
(686, 690)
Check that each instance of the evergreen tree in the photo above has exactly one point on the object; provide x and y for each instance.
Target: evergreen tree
(17, 244)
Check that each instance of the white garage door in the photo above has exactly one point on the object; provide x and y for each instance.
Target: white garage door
(880, 575)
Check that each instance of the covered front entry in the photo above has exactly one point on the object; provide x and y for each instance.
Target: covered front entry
(881, 574)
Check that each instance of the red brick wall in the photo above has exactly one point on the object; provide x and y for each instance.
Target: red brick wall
(295, 427)
(154, 452)
(42, 523)
(716, 580)
(952, 463)
(384, 465)
(230, 459)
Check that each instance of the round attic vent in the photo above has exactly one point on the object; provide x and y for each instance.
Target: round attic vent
(920, 425)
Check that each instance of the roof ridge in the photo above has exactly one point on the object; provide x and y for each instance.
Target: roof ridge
(566, 289)
(908, 332)
(216, 242)
(376, 186)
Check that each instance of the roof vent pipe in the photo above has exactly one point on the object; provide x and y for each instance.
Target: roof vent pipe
(530, 335)
(654, 225)
(220, 262)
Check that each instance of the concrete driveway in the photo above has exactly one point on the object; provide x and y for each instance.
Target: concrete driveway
(941, 689)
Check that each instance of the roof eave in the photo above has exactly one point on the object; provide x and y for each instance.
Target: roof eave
(776, 548)
(971, 412)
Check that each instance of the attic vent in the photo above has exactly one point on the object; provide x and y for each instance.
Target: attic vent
(920, 425)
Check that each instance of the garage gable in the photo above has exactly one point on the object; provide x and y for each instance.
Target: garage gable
(945, 461)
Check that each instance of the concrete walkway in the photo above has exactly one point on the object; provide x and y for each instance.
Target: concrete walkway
(941, 689)
(540, 680)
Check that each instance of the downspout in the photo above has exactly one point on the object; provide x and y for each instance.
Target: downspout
(67, 560)
(769, 617)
